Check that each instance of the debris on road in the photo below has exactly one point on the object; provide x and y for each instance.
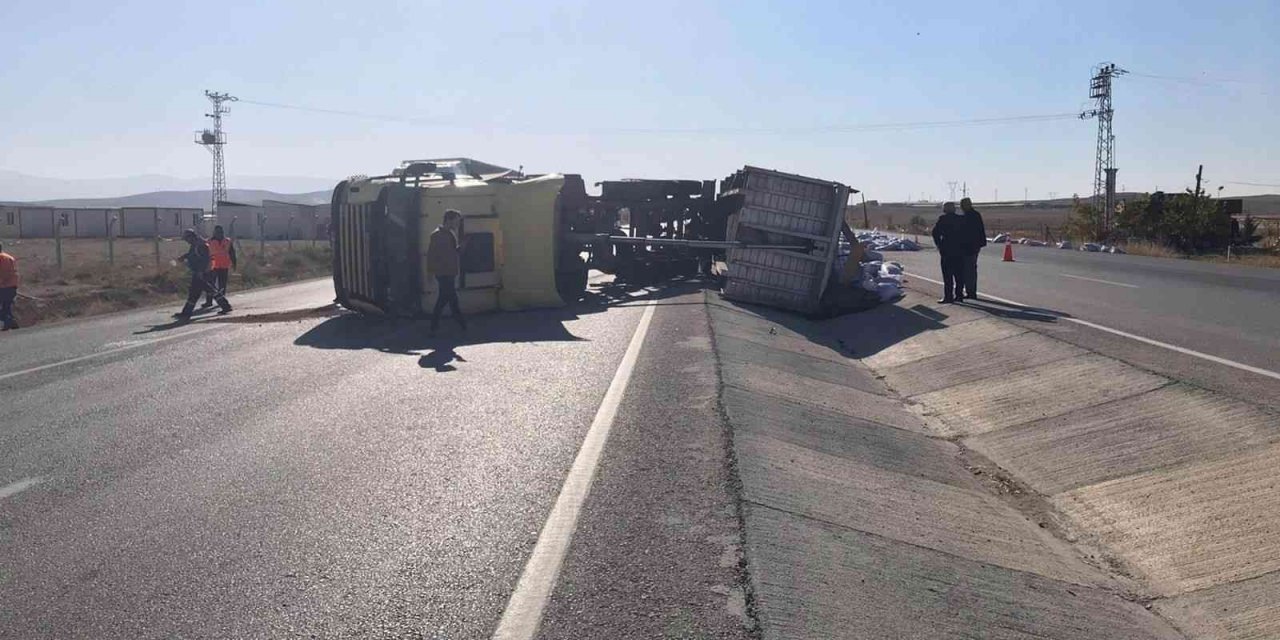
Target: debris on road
(878, 241)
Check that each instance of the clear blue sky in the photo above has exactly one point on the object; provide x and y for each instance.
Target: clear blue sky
(115, 89)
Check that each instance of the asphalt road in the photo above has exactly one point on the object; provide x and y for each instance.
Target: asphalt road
(1227, 311)
(329, 475)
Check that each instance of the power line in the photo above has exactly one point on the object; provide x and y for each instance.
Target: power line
(1192, 81)
(850, 128)
(1252, 184)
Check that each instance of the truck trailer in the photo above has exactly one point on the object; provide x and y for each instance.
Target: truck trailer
(529, 241)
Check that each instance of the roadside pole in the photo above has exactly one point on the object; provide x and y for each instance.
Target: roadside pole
(111, 237)
(288, 233)
(155, 219)
(57, 237)
(262, 235)
(866, 220)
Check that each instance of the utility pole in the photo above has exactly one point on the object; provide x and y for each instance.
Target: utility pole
(1104, 172)
(1199, 175)
(964, 190)
(214, 140)
(866, 219)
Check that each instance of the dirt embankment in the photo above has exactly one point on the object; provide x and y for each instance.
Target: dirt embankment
(89, 283)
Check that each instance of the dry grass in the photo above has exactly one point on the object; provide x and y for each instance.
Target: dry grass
(1271, 261)
(88, 284)
(1252, 258)
(1154, 249)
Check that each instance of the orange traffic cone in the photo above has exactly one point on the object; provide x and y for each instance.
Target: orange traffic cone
(1008, 251)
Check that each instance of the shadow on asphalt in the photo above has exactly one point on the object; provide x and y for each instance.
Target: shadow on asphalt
(411, 336)
(1015, 312)
(866, 333)
(175, 323)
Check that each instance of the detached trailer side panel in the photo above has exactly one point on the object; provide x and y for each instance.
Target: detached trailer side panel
(780, 208)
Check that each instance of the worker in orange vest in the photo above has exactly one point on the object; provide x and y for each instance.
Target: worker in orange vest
(8, 289)
(222, 258)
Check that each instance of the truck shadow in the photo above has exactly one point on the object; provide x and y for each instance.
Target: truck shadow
(866, 333)
(411, 336)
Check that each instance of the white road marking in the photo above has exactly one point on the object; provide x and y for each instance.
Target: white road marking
(524, 610)
(1164, 345)
(99, 354)
(1117, 284)
(19, 487)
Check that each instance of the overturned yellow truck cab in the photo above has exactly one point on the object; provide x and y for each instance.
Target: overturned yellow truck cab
(512, 256)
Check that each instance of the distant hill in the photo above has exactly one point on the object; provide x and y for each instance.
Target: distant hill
(21, 187)
(188, 199)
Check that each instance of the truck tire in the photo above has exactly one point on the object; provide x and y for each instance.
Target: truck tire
(571, 280)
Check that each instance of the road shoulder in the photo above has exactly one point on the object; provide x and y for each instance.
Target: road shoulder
(883, 527)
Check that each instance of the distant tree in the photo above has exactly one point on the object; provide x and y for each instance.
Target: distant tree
(1194, 222)
(1085, 223)
(1138, 218)
(1249, 231)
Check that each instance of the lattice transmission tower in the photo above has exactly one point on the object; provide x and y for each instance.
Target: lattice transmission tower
(1104, 172)
(214, 140)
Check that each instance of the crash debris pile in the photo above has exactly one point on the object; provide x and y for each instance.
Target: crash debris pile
(879, 241)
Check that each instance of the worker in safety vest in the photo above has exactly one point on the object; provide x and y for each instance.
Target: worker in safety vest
(197, 260)
(222, 258)
(8, 289)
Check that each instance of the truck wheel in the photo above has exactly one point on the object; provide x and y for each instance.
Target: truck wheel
(571, 282)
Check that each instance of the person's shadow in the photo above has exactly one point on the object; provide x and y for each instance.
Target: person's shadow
(175, 322)
(440, 359)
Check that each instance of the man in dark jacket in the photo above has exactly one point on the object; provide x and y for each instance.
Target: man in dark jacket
(978, 239)
(952, 238)
(197, 261)
(444, 258)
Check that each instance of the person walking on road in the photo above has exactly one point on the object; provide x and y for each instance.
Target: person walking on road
(222, 258)
(444, 258)
(978, 240)
(197, 260)
(951, 236)
(8, 289)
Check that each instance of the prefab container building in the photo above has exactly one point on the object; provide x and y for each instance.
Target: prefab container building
(147, 222)
(239, 220)
(90, 223)
(35, 222)
(9, 222)
(290, 220)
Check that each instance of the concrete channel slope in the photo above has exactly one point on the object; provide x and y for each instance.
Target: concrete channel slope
(927, 471)
(1173, 486)
(864, 517)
